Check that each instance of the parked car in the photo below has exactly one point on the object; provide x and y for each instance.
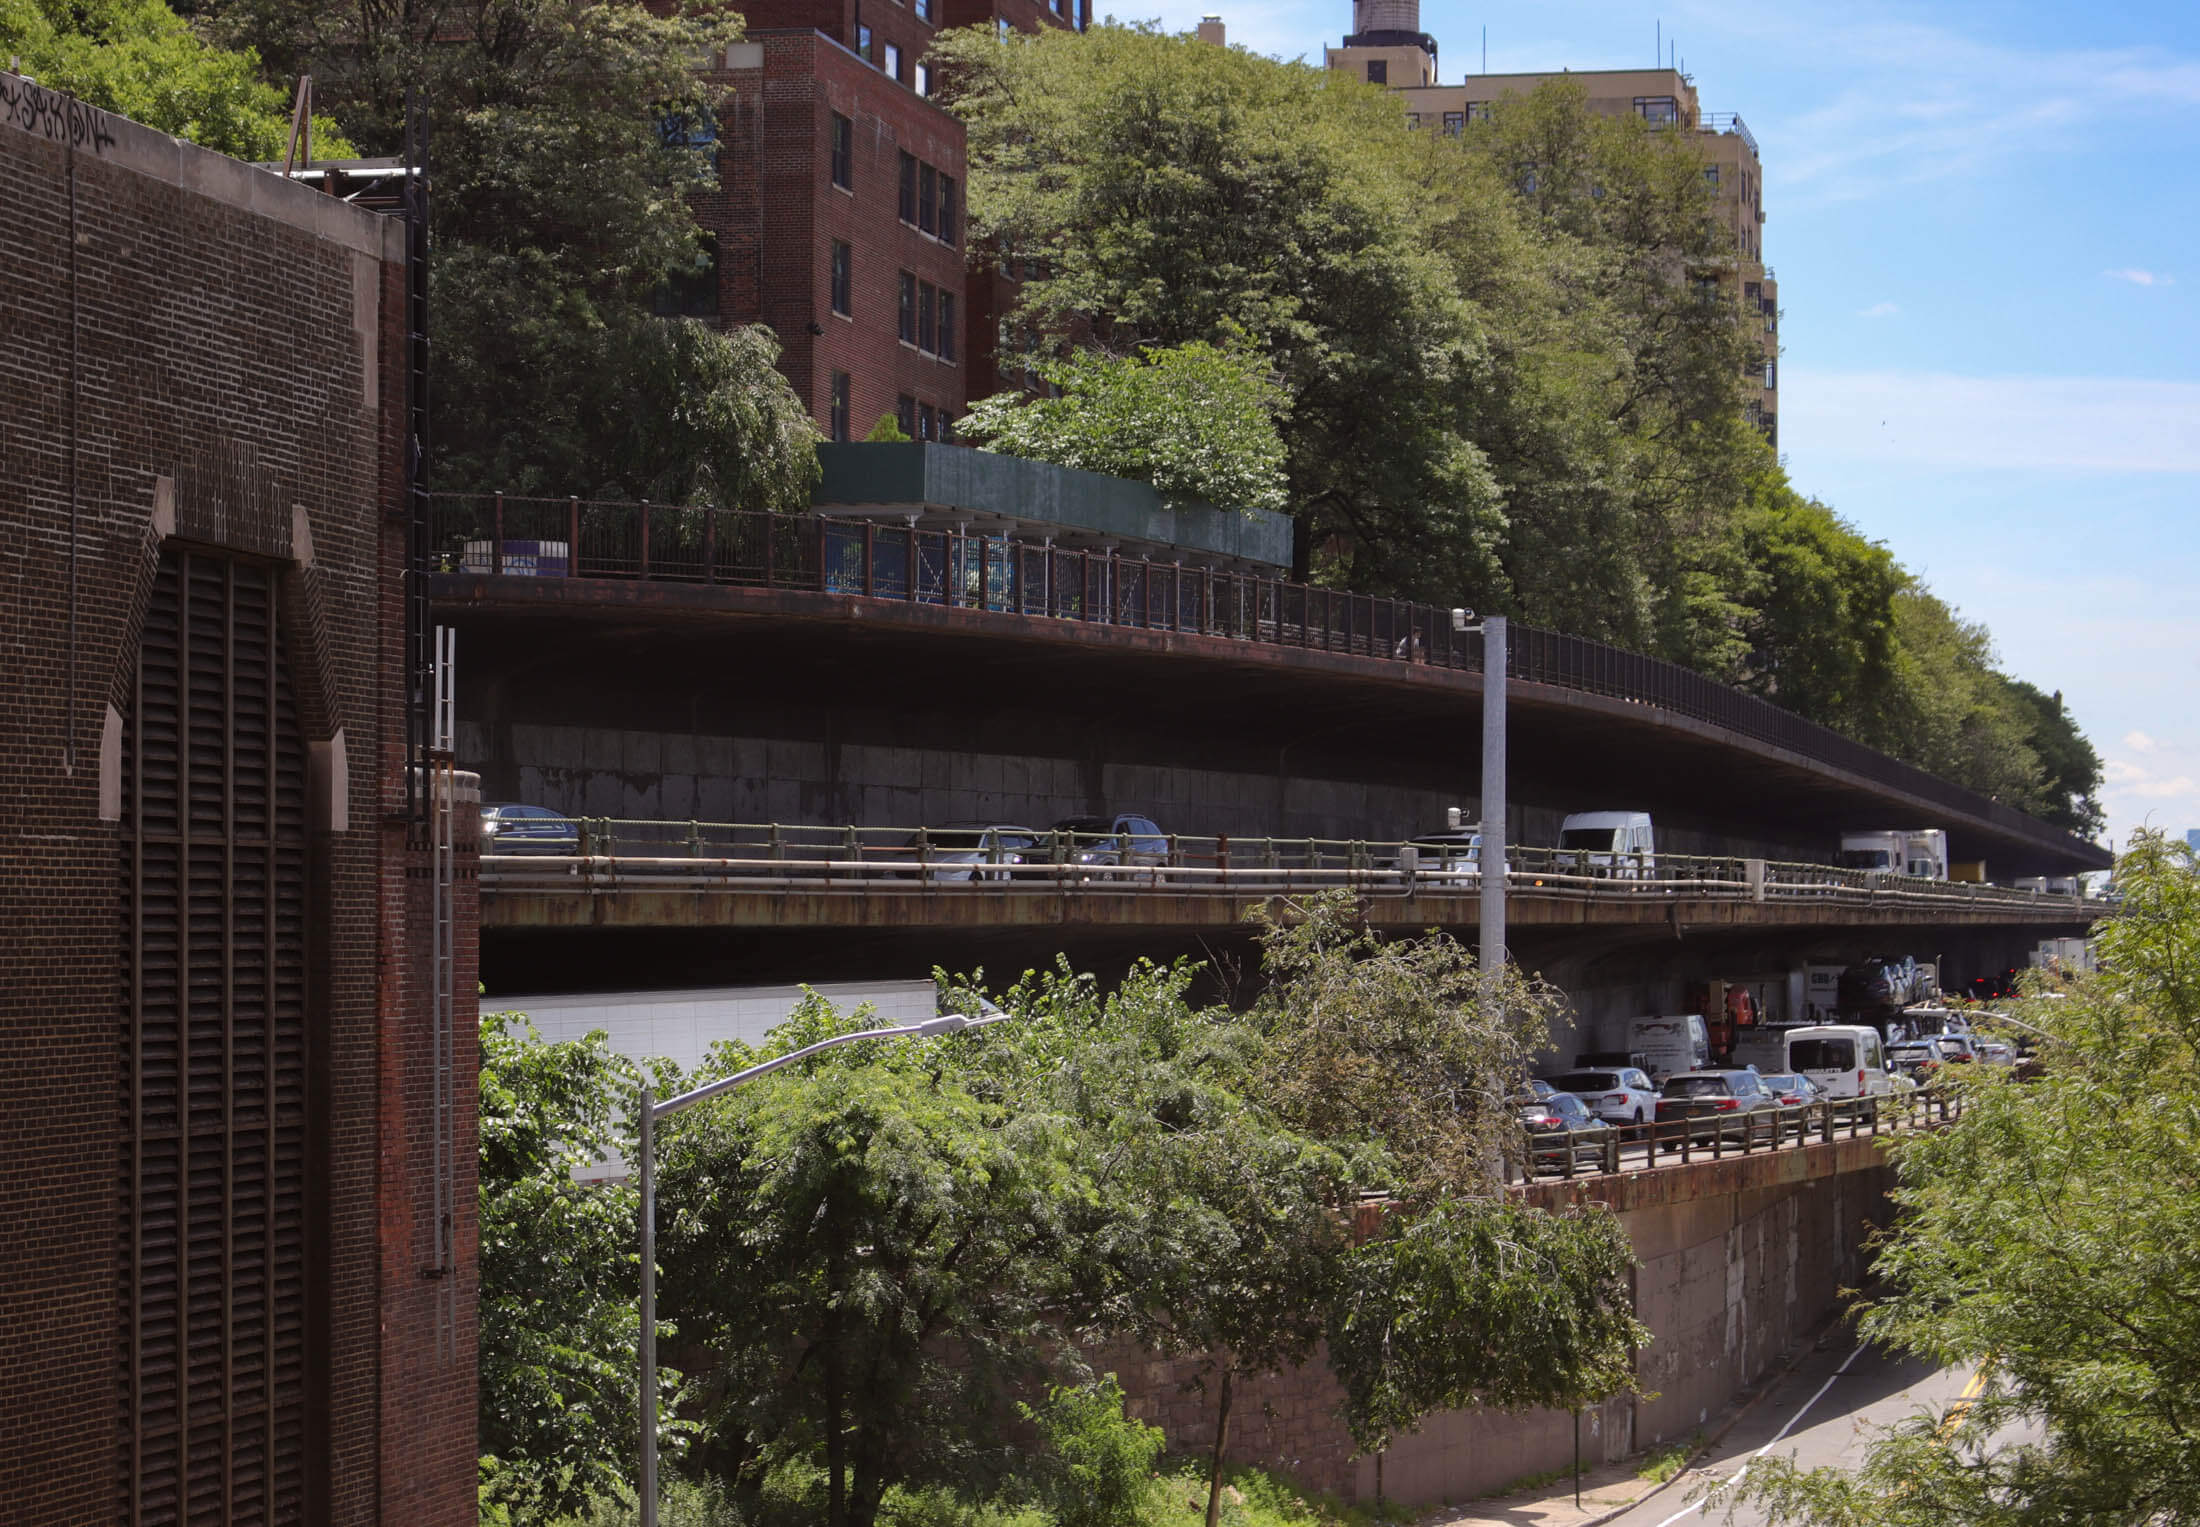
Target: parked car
(1619, 845)
(1447, 856)
(510, 828)
(1598, 1060)
(1534, 1090)
(1624, 1096)
(964, 851)
(1716, 1103)
(1122, 841)
(1994, 1052)
(1558, 1125)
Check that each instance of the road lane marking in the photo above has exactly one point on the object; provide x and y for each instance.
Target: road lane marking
(1961, 1405)
(1697, 1505)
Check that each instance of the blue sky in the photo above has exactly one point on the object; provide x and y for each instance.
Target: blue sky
(1983, 218)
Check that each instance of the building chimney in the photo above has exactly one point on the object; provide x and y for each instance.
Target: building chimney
(1211, 30)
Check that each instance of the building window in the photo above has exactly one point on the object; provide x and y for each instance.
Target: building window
(947, 326)
(1711, 176)
(1413, 120)
(893, 59)
(928, 333)
(1658, 110)
(908, 188)
(843, 280)
(1752, 292)
(838, 415)
(1478, 111)
(905, 415)
(1772, 376)
(948, 209)
(928, 427)
(924, 13)
(1455, 123)
(1002, 28)
(844, 152)
(924, 79)
(1378, 71)
(863, 44)
(908, 313)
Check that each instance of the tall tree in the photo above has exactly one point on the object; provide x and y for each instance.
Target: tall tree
(1165, 193)
(2051, 1236)
(567, 143)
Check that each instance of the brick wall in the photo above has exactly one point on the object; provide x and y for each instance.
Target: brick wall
(777, 214)
(194, 352)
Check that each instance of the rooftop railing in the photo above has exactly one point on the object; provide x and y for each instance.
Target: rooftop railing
(947, 567)
(1730, 122)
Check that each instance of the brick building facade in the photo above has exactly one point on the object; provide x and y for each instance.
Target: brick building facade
(838, 221)
(239, 1280)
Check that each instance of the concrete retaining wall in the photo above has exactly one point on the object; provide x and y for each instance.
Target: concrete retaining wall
(1727, 1281)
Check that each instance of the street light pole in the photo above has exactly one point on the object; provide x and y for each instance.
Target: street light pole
(649, 1111)
(1490, 863)
(1492, 881)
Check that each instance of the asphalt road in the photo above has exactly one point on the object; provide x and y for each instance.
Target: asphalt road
(1823, 1413)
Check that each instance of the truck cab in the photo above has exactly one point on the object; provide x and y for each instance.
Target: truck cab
(1920, 853)
(1620, 845)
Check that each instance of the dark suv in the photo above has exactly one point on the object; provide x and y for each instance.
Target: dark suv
(1122, 841)
(1717, 1103)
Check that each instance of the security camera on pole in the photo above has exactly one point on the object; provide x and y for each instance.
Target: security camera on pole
(1492, 854)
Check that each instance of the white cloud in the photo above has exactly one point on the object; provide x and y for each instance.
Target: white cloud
(1879, 310)
(2092, 424)
(2140, 742)
(2138, 277)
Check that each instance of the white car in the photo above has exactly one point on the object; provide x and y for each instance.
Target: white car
(1622, 1095)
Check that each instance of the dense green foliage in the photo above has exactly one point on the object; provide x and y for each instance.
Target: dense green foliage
(141, 60)
(558, 1273)
(2052, 1234)
(566, 142)
(1506, 380)
(889, 1267)
(1197, 422)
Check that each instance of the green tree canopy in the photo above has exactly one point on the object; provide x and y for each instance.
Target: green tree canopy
(567, 144)
(1199, 423)
(559, 1271)
(2051, 1235)
(865, 1252)
(141, 60)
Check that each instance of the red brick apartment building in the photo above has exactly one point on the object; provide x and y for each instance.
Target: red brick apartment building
(839, 218)
(237, 1283)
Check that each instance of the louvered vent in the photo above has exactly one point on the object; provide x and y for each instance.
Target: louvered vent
(213, 1059)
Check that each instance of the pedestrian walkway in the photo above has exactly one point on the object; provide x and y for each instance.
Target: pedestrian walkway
(1605, 1489)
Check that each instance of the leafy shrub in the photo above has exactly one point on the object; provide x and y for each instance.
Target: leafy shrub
(1100, 1471)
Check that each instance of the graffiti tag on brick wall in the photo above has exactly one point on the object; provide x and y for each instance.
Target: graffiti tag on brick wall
(52, 115)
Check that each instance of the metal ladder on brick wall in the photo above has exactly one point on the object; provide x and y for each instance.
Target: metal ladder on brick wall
(443, 807)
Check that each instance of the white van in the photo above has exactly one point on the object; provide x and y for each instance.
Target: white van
(1618, 844)
(1669, 1046)
(1764, 1049)
(1846, 1060)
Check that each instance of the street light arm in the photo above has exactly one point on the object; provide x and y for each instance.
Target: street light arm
(947, 1023)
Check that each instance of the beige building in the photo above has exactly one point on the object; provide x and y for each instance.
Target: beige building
(1388, 47)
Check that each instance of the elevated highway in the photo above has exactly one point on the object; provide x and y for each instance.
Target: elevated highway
(770, 877)
(698, 662)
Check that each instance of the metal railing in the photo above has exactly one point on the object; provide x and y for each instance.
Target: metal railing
(1638, 1147)
(507, 535)
(598, 853)
(1729, 122)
